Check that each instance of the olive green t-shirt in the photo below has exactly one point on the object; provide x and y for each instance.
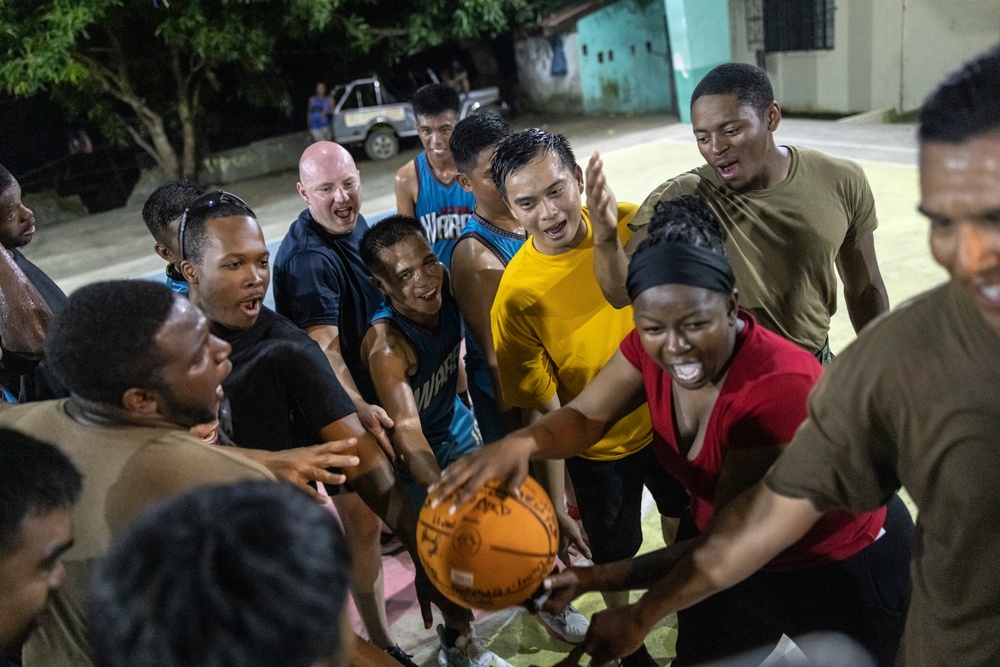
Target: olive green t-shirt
(915, 401)
(125, 469)
(782, 241)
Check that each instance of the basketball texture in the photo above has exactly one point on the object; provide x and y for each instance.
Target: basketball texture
(493, 552)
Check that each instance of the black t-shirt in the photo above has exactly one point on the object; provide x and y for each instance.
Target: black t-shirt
(319, 279)
(19, 374)
(282, 390)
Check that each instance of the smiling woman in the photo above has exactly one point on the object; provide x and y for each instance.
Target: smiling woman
(725, 396)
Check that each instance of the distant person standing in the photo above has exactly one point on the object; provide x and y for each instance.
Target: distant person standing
(427, 188)
(457, 77)
(320, 114)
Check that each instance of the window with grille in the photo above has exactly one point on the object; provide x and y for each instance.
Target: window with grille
(798, 25)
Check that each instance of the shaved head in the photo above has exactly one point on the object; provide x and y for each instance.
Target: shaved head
(330, 184)
(324, 154)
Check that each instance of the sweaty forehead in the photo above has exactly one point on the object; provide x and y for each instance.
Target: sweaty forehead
(961, 180)
(543, 171)
(410, 246)
(184, 320)
(234, 232)
(708, 110)
(9, 197)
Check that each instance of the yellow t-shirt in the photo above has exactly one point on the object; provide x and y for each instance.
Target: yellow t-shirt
(553, 331)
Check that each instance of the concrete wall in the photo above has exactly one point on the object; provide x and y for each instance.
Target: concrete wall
(624, 64)
(887, 54)
(699, 40)
(255, 159)
(938, 35)
(539, 89)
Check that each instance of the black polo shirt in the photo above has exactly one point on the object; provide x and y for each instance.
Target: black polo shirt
(319, 279)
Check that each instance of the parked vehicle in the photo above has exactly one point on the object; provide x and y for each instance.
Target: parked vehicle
(367, 112)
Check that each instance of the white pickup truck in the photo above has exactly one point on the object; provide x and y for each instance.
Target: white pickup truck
(365, 111)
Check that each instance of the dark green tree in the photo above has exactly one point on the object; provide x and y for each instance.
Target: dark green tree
(142, 69)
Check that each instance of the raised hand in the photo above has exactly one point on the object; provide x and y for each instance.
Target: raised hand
(601, 202)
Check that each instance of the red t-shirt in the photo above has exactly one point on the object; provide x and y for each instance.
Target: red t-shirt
(761, 404)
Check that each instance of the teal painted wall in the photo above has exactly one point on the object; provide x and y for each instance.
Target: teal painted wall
(699, 40)
(624, 65)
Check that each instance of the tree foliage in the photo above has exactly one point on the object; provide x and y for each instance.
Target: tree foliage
(143, 69)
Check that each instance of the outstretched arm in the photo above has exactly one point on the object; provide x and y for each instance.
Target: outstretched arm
(389, 358)
(375, 481)
(302, 465)
(616, 391)
(864, 290)
(24, 315)
(373, 418)
(749, 532)
(610, 260)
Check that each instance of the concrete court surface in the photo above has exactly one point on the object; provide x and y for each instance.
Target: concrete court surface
(639, 153)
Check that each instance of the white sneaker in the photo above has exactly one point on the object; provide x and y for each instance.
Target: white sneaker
(467, 652)
(569, 624)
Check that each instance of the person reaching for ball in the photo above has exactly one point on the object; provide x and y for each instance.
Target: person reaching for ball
(411, 352)
(725, 396)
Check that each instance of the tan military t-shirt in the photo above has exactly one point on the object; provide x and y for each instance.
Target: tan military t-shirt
(916, 401)
(782, 241)
(125, 469)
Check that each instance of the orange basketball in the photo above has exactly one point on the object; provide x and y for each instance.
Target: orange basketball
(493, 552)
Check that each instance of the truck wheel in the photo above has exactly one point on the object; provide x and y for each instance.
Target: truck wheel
(381, 144)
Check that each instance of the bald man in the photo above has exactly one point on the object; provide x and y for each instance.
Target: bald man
(321, 284)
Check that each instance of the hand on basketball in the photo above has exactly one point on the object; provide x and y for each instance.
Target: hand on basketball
(506, 459)
(308, 464)
(601, 202)
(377, 422)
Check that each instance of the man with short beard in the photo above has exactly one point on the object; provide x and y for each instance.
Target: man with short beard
(135, 388)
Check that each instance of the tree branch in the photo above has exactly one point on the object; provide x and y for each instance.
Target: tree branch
(146, 146)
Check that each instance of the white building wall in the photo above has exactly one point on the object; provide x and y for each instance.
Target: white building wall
(938, 35)
(888, 53)
(541, 90)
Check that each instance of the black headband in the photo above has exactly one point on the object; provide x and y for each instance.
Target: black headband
(679, 264)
